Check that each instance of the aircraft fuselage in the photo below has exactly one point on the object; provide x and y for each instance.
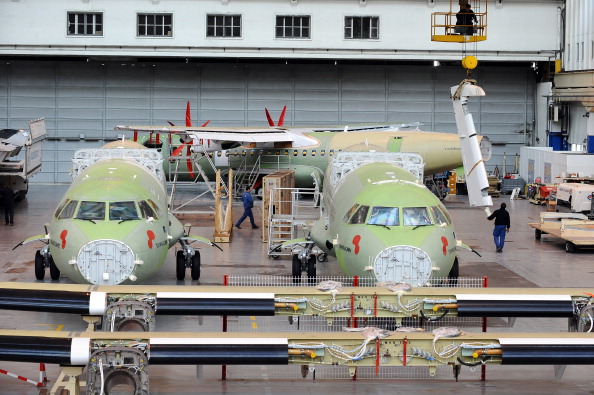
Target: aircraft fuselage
(440, 151)
(112, 226)
(379, 222)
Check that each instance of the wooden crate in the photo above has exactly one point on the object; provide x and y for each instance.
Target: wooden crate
(282, 197)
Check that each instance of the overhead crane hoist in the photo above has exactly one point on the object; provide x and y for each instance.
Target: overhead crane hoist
(136, 307)
(465, 22)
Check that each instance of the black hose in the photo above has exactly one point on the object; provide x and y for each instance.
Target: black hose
(433, 319)
(482, 361)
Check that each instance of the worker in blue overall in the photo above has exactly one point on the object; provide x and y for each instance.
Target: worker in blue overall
(248, 203)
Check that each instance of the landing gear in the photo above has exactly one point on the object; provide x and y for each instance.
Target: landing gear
(537, 234)
(186, 258)
(309, 266)
(54, 271)
(570, 247)
(43, 260)
(180, 265)
(311, 269)
(454, 274)
(39, 266)
(195, 269)
(296, 269)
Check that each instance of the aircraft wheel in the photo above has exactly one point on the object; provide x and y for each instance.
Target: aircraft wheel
(196, 266)
(21, 195)
(276, 256)
(311, 269)
(296, 269)
(570, 247)
(323, 257)
(54, 271)
(39, 266)
(180, 265)
(537, 234)
(454, 273)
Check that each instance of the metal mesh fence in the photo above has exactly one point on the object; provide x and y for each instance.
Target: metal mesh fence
(289, 281)
(322, 324)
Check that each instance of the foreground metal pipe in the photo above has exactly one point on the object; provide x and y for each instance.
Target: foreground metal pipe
(211, 303)
(515, 306)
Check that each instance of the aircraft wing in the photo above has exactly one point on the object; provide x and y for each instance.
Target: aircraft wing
(244, 135)
(43, 238)
(202, 240)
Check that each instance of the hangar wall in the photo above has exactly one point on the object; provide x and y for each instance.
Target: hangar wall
(83, 101)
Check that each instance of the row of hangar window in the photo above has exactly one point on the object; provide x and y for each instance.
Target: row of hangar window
(221, 26)
(117, 211)
(390, 216)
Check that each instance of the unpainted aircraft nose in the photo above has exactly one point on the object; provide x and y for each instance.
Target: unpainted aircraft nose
(105, 262)
(402, 263)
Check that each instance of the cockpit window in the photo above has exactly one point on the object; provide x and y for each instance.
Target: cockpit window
(60, 207)
(384, 216)
(439, 215)
(68, 210)
(122, 211)
(146, 210)
(416, 216)
(359, 216)
(91, 210)
(155, 207)
(350, 212)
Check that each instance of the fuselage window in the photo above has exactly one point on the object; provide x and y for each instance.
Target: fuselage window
(350, 212)
(122, 211)
(91, 210)
(146, 210)
(384, 216)
(359, 216)
(416, 216)
(60, 207)
(439, 216)
(69, 209)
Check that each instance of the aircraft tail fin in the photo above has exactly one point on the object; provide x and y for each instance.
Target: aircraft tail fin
(270, 121)
(188, 115)
(474, 165)
(281, 119)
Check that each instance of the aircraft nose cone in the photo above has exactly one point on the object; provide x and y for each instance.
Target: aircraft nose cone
(402, 263)
(105, 262)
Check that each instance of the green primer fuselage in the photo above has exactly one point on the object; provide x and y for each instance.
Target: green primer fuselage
(440, 151)
(115, 180)
(357, 246)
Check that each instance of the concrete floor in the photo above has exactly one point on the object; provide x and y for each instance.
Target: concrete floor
(525, 262)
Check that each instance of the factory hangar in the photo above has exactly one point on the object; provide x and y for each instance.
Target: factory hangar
(360, 89)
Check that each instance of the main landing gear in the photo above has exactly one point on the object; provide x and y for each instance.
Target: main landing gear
(43, 260)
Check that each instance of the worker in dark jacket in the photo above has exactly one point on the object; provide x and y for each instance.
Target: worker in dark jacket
(8, 201)
(248, 203)
(502, 224)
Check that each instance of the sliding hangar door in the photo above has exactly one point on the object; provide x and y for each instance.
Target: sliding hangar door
(83, 101)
